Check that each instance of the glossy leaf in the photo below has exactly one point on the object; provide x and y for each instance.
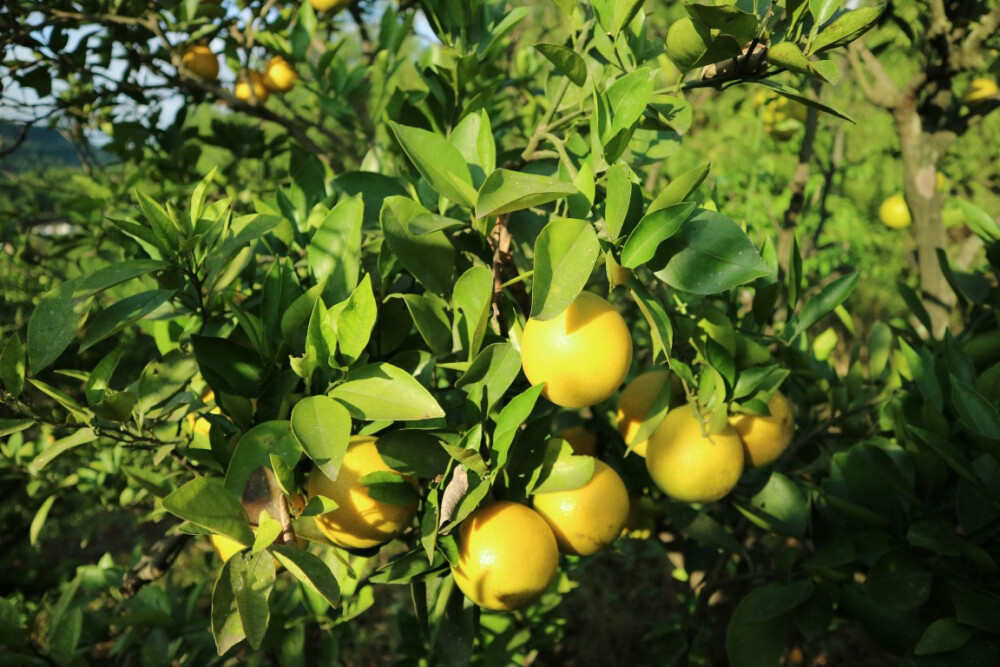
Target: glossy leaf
(383, 391)
(322, 426)
(441, 165)
(652, 230)
(565, 253)
(505, 191)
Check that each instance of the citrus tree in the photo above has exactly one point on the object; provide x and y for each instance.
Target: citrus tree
(476, 329)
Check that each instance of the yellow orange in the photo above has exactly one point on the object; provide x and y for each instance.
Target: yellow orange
(582, 354)
(507, 556)
(636, 400)
(252, 81)
(200, 60)
(589, 518)
(894, 213)
(280, 75)
(691, 465)
(765, 438)
(360, 521)
(980, 90)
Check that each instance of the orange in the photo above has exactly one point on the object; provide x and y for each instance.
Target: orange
(252, 80)
(280, 75)
(582, 354)
(765, 438)
(507, 556)
(589, 518)
(636, 400)
(360, 521)
(691, 465)
(200, 60)
(583, 442)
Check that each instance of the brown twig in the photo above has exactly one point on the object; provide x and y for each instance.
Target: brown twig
(154, 564)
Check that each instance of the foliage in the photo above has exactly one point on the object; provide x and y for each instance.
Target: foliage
(244, 288)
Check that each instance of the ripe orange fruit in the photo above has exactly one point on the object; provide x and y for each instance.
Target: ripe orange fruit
(252, 81)
(507, 556)
(360, 521)
(200, 60)
(765, 438)
(280, 75)
(636, 400)
(894, 213)
(691, 465)
(583, 442)
(589, 518)
(582, 354)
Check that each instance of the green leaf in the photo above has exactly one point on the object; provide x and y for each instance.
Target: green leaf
(356, 321)
(410, 567)
(628, 97)
(309, 570)
(899, 580)
(710, 254)
(825, 302)
(441, 165)
(164, 226)
(471, 299)
(161, 380)
(12, 365)
(205, 502)
(334, 252)
(228, 368)
(413, 452)
(227, 628)
(619, 194)
(389, 487)
(790, 56)
(980, 222)
(63, 399)
(255, 449)
(491, 374)
(761, 625)
(297, 314)
(38, 521)
(561, 470)
(725, 20)
(823, 10)
(12, 426)
(792, 94)
(510, 420)
(252, 578)
(121, 314)
(383, 391)
(200, 194)
(505, 191)
(943, 635)
(979, 609)
(428, 313)
(567, 62)
(565, 253)
(780, 507)
(680, 188)
(429, 257)
(652, 230)
(322, 427)
(977, 412)
(660, 329)
(54, 323)
(473, 137)
(846, 28)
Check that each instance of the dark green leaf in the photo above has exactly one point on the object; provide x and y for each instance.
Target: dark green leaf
(567, 62)
(12, 365)
(429, 257)
(54, 324)
(309, 570)
(255, 449)
(227, 367)
(121, 314)
(899, 580)
(413, 452)
(825, 302)
(846, 28)
(252, 578)
(226, 625)
(710, 254)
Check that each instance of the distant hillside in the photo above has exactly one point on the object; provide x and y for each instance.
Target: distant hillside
(42, 148)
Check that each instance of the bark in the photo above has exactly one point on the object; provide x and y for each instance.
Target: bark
(922, 154)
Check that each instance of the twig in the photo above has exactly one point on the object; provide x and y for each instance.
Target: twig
(154, 564)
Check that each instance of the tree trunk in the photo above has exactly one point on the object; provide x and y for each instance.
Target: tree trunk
(922, 153)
